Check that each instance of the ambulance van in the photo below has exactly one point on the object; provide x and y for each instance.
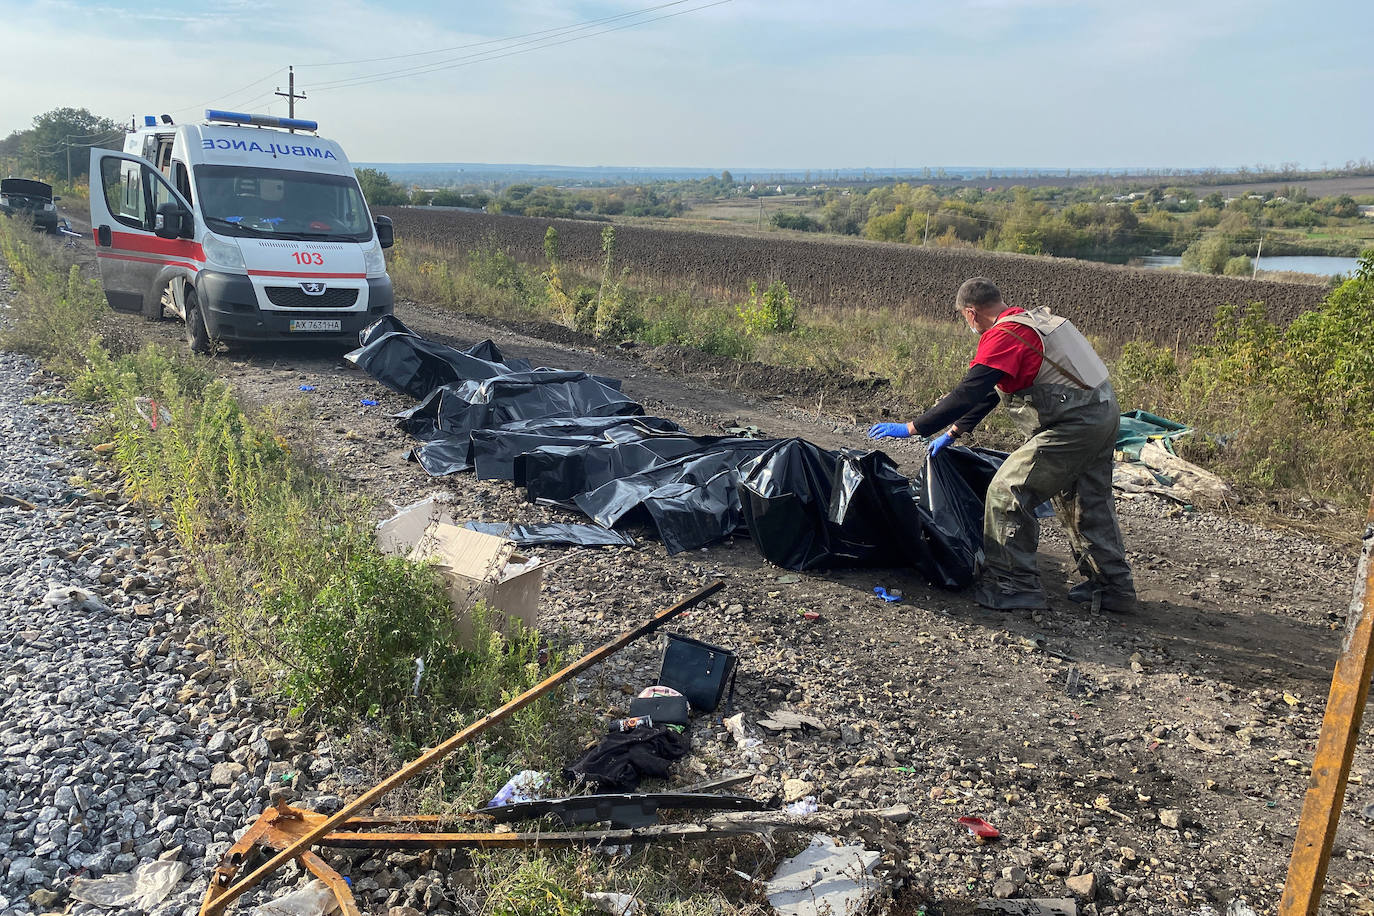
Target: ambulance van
(248, 227)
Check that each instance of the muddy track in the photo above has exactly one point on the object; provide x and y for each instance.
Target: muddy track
(1197, 704)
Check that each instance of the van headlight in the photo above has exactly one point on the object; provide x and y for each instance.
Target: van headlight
(50, 207)
(374, 262)
(223, 253)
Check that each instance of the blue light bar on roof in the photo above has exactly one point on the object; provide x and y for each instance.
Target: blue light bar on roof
(255, 120)
(149, 121)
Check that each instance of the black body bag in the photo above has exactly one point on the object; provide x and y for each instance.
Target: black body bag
(698, 670)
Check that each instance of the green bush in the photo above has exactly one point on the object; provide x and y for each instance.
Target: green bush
(771, 312)
(1239, 266)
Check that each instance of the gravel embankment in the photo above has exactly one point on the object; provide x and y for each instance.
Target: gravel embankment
(123, 737)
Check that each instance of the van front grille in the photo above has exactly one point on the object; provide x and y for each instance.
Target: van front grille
(293, 297)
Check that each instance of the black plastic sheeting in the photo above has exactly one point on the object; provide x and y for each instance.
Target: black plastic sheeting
(554, 533)
(810, 508)
(407, 363)
(575, 440)
(459, 408)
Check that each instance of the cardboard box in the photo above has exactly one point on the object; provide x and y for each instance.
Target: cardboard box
(475, 566)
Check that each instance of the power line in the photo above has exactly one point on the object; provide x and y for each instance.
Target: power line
(483, 57)
(490, 41)
(227, 95)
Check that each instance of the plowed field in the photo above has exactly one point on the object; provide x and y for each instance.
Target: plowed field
(1118, 302)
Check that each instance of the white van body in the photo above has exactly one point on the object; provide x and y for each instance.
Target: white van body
(246, 232)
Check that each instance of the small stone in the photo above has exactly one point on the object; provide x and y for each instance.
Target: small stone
(1171, 818)
(1003, 889)
(227, 773)
(796, 789)
(403, 911)
(1084, 885)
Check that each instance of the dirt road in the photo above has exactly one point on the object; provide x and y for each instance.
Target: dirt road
(1164, 752)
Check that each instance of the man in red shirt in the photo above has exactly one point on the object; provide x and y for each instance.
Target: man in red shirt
(1057, 391)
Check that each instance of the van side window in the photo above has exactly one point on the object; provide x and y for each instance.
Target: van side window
(182, 179)
(150, 148)
(164, 156)
(123, 184)
(133, 192)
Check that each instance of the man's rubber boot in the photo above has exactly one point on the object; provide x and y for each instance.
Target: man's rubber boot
(1091, 593)
(994, 596)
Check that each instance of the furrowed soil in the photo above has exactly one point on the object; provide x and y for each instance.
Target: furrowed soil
(1121, 303)
(1165, 752)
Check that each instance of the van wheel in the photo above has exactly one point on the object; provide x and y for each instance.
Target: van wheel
(197, 337)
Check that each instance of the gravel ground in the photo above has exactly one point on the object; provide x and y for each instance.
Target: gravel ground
(123, 738)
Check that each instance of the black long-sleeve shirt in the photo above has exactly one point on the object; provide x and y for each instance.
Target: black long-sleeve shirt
(966, 406)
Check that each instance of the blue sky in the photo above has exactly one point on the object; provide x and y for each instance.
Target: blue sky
(744, 83)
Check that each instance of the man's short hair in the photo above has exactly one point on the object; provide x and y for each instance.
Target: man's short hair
(977, 292)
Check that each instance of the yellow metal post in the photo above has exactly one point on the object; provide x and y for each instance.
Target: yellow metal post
(1321, 808)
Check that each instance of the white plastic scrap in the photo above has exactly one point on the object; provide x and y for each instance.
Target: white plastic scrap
(67, 597)
(314, 899)
(735, 726)
(144, 887)
(527, 785)
(825, 878)
(613, 903)
(803, 806)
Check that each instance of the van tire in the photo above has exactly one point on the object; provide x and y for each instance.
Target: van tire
(197, 337)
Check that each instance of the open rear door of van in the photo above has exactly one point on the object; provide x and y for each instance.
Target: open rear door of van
(135, 262)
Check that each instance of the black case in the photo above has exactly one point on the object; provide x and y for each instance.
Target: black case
(697, 670)
(663, 710)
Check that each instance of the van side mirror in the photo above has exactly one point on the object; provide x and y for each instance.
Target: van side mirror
(167, 222)
(56, 199)
(386, 236)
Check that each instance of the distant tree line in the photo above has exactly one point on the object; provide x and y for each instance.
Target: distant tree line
(59, 140)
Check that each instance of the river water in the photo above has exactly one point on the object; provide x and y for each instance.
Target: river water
(1303, 264)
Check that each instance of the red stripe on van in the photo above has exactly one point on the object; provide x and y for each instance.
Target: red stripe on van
(129, 257)
(151, 244)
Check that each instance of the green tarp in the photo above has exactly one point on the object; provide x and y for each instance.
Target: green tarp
(1139, 427)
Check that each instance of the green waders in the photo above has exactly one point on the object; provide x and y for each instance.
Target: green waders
(1067, 459)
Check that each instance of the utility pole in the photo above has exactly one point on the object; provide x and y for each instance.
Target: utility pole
(67, 142)
(760, 211)
(290, 93)
(1255, 271)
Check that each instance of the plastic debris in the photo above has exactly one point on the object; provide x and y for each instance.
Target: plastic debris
(885, 594)
(314, 899)
(65, 597)
(368, 402)
(143, 888)
(613, 903)
(802, 806)
(525, 786)
(735, 726)
(825, 878)
(419, 673)
(307, 388)
(980, 828)
(152, 414)
(554, 533)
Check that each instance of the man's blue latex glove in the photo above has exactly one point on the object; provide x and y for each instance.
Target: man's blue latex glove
(939, 442)
(889, 431)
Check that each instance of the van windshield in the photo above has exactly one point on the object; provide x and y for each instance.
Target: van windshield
(282, 203)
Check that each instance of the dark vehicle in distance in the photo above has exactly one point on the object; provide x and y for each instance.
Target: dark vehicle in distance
(20, 196)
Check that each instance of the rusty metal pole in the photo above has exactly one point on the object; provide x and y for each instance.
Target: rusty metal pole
(219, 897)
(1321, 808)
